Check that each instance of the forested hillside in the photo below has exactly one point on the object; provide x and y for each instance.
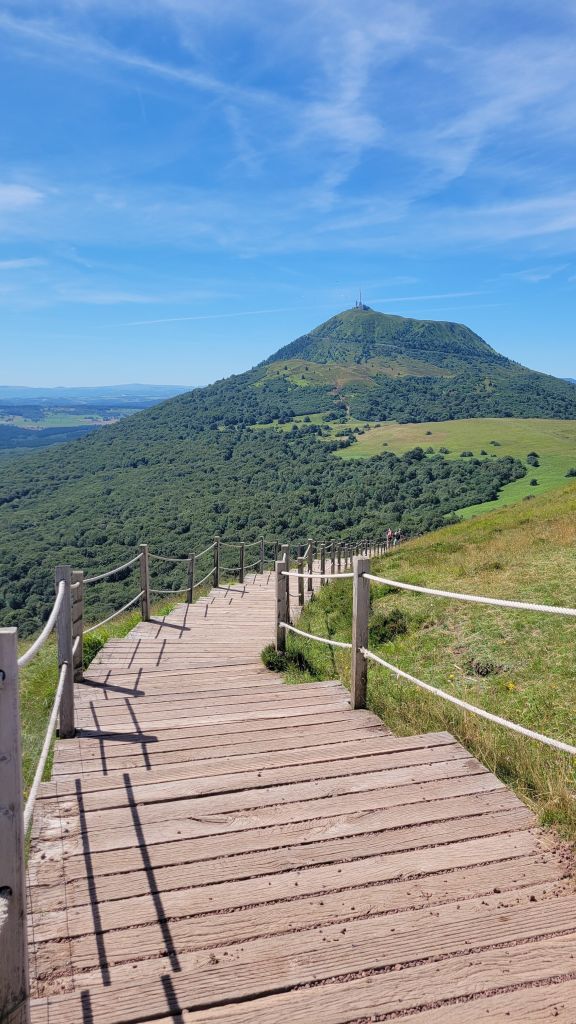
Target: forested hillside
(200, 464)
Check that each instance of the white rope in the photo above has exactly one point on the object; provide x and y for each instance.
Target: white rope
(200, 582)
(311, 636)
(182, 590)
(43, 636)
(206, 550)
(29, 808)
(167, 558)
(112, 572)
(251, 566)
(75, 645)
(114, 614)
(557, 744)
(320, 575)
(526, 606)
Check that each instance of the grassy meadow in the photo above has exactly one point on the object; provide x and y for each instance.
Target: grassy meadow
(519, 665)
(553, 440)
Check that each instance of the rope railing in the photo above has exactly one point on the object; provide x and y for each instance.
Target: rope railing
(318, 575)
(181, 590)
(207, 577)
(473, 598)
(114, 614)
(312, 636)
(29, 806)
(167, 558)
(50, 623)
(112, 572)
(251, 566)
(206, 550)
(513, 726)
(361, 654)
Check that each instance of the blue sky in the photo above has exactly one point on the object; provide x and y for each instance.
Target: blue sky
(185, 185)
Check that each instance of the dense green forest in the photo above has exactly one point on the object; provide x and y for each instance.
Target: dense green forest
(199, 464)
(131, 483)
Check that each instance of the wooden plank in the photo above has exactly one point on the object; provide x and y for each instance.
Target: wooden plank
(393, 752)
(245, 923)
(207, 977)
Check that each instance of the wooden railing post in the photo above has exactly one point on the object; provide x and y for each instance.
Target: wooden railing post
(14, 983)
(276, 550)
(339, 557)
(332, 556)
(191, 577)
(282, 607)
(310, 565)
(285, 557)
(360, 616)
(300, 577)
(66, 653)
(144, 583)
(78, 623)
(216, 573)
(261, 554)
(241, 563)
(323, 563)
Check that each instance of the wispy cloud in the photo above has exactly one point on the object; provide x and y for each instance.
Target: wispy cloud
(22, 264)
(15, 197)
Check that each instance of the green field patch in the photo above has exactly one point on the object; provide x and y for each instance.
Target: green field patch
(554, 441)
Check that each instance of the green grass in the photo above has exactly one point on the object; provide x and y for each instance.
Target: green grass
(516, 664)
(553, 440)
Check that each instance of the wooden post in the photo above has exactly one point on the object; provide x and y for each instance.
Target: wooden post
(216, 573)
(65, 653)
(191, 577)
(282, 609)
(301, 579)
(144, 583)
(360, 615)
(332, 556)
(339, 557)
(310, 565)
(78, 623)
(14, 983)
(276, 550)
(261, 554)
(323, 563)
(241, 564)
(285, 557)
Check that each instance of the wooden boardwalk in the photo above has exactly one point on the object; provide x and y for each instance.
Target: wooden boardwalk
(216, 846)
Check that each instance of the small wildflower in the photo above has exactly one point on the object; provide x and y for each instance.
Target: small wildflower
(511, 686)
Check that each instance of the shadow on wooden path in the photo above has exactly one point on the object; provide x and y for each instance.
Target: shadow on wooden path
(216, 846)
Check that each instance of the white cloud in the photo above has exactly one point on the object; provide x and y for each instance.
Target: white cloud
(18, 197)
(22, 264)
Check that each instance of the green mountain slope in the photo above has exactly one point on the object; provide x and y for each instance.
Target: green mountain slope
(194, 466)
(391, 367)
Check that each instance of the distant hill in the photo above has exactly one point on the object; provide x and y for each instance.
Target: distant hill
(200, 463)
(393, 367)
(125, 394)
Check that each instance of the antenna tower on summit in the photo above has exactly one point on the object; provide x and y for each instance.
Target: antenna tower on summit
(359, 304)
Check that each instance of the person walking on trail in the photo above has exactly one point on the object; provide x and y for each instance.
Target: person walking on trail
(389, 537)
(397, 537)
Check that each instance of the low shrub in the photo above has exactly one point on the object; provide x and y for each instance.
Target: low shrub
(386, 626)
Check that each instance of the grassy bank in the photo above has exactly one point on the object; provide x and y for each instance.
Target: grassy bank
(516, 664)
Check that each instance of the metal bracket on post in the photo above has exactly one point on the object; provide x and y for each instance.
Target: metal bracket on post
(14, 982)
(360, 616)
(66, 653)
(144, 584)
(191, 577)
(282, 610)
(78, 624)
(310, 565)
(241, 564)
(216, 573)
